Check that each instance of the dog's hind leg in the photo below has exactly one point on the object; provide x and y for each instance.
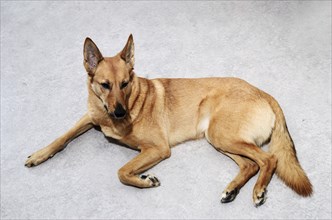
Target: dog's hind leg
(129, 174)
(242, 123)
(43, 154)
(248, 169)
(266, 162)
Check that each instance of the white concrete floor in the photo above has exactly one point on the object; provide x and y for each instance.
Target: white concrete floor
(283, 48)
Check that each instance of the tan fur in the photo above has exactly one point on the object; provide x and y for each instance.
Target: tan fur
(154, 115)
(288, 168)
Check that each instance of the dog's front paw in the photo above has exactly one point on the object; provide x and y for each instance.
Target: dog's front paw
(38, 157)
(150, 179)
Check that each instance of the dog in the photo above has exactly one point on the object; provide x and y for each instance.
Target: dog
(154, 115)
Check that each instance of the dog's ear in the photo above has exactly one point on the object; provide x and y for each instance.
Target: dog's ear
(92, 56)
(128, 52)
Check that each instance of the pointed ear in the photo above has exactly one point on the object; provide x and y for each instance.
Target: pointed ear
(92, 56)
(128, 52)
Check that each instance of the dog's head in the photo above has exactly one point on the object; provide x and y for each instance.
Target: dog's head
(111, 77)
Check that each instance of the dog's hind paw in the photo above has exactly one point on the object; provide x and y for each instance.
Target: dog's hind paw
(151, 179)
(229, 196)
(260, 198)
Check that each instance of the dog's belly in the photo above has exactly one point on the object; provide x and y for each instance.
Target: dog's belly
(188, 128)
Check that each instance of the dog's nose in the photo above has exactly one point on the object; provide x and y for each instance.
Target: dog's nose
(119, 112)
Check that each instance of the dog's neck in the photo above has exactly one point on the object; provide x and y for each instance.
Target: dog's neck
(139, 92)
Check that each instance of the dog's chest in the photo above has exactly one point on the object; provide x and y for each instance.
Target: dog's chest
(107, 126)
(128, 139)
(111, 132)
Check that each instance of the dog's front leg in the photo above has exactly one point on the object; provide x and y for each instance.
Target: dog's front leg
(43, 154)
(129, 174)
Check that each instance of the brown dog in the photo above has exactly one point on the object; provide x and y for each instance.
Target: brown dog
(154, 115)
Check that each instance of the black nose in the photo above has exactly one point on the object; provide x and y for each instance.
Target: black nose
(119, 112)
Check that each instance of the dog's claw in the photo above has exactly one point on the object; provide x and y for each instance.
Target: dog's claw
(27, 164)
(154, 182)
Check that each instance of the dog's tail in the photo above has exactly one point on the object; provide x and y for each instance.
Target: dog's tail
(288, 167)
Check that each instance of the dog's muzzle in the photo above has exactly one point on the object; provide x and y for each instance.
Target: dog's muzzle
(119, 112)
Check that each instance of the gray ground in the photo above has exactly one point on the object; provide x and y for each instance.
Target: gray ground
(283, 48)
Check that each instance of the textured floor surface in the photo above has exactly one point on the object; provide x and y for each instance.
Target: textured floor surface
(283, 48)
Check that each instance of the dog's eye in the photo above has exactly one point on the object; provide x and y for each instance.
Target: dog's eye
(105, 85)
(124, 85)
